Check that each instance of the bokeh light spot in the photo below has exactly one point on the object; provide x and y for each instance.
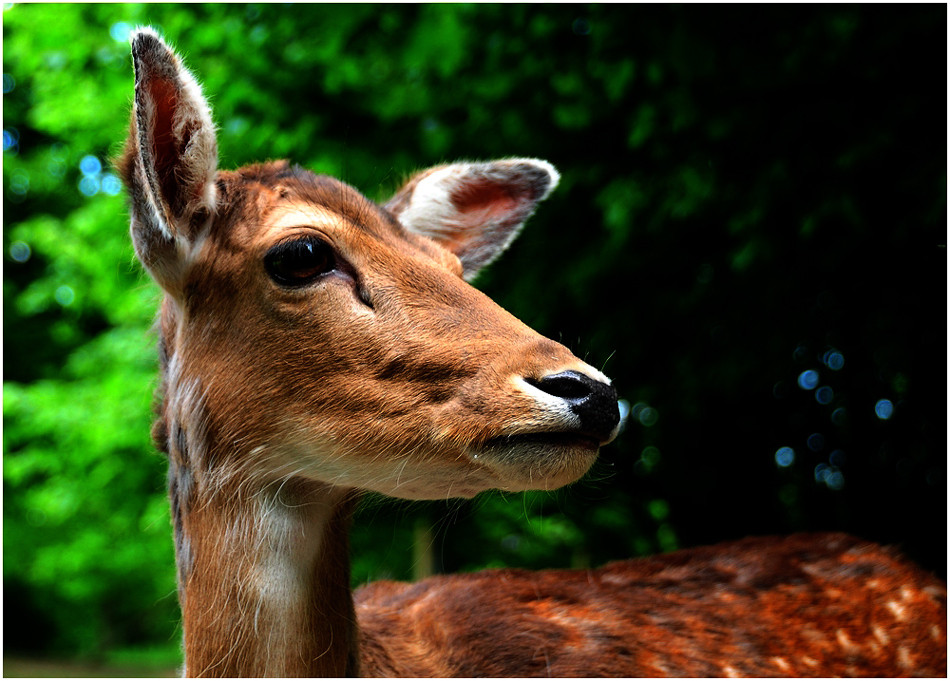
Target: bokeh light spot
(64, 295)
(20, 251)
(829, 476)
(785, 457)
(90, 165)
(648, 416)
(824, 395)
(89, 185)
(56, 168)
(120, 31)
(833, 359)
(659, 509)
(649, 457)
(807, 380)
(884, 409)
(111, 185)
(816, 442)
(11, 140)
(834, 479)
(19, 182)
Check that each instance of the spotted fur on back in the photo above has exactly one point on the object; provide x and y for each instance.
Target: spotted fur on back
(805, 605)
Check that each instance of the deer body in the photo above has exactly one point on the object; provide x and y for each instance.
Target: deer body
(314, 344)
(805, 605)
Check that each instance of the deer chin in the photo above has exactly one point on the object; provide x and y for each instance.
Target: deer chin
(515, 463)
(414, 473)
(537, 461)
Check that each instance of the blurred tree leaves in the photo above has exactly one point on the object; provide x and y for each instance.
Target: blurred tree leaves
(743, 190)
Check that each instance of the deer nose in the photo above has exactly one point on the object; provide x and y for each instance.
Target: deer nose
(593, 402)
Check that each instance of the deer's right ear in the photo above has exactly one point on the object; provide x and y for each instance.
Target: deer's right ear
(169, 161)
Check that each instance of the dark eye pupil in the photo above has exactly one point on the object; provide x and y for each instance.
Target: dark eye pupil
(298, 262)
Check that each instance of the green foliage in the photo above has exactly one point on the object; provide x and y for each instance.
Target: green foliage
(743, 190)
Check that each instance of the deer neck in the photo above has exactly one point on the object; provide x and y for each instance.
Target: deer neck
(264, 578)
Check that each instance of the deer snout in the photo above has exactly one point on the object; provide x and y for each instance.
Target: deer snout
(593, 401)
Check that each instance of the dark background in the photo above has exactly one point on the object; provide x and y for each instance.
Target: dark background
(748, 193)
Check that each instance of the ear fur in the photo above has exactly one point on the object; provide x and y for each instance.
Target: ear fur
(474, 209)
(170, 159)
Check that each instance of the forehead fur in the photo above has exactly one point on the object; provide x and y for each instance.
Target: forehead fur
(266, 185)
(251, 194)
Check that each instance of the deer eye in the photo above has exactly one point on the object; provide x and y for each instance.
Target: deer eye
(299, 262)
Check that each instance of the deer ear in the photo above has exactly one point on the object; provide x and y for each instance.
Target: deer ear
(474, 209)
(170, 158)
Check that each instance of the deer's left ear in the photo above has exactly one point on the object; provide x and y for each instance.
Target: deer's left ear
(474, 209)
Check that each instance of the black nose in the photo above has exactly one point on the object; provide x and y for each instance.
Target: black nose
(594, 402)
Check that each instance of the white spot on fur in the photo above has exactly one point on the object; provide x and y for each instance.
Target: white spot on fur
(899, 611)
(617, 580)
(847, 645)
(904, 658)
(782, 664)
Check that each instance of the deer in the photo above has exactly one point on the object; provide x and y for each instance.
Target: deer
(315, 345)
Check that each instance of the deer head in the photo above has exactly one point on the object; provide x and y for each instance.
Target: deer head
(308, 332)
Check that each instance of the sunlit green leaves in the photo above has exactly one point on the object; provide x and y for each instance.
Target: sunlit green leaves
(84, 519)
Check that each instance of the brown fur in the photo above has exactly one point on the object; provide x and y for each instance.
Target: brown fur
(806, 605)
